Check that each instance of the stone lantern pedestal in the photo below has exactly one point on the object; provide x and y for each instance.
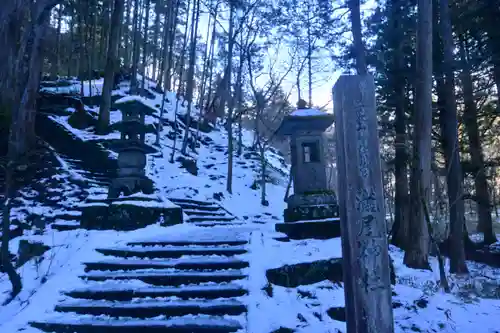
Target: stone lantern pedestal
(131, 202)
(312, 210)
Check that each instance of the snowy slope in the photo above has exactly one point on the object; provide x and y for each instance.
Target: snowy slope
(419, 304)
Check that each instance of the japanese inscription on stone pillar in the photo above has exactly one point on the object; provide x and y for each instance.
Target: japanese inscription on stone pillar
(364, 242)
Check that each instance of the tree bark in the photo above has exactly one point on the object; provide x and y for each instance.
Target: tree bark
(190, 74)
(230, 104)
(168, 68)
(401, 198)
(485, 224)
(135, 51)
(359, 48)
(449, 128)
(126, 36)
(145, 45)
(417, 251)
(156, 33)
(111, 66)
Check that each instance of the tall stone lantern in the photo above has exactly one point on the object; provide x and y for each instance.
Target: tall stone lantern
(312, 199)
(131, 202)
(132, 151)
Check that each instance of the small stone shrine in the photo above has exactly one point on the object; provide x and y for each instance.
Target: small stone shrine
(312, 200)
(131, 202)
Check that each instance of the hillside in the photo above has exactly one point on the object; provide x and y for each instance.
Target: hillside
(301, 299)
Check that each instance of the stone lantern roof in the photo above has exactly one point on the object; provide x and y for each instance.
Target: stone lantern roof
(305, 120)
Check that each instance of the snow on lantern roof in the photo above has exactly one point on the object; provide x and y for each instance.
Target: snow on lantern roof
(307, 113)
(311, 120)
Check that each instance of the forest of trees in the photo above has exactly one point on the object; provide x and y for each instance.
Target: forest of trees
(436, 65)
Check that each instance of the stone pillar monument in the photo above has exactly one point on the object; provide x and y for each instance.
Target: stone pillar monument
(312, 200)
(365, 255)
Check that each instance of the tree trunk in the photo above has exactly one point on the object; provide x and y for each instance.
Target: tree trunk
(111, 66)
(126, 36)
(5, 259)
(106, 4)
(57, 65)
(81, 45)
(470, 120)
(401, 199)
(309, 56)
(359, 48)
(156, 33)
(22, 121)
(417, 251)
(168, 68)
(145, 45)
(239, 81)
(204, 70)
(449, 128)
(135, 51)
(230, 104)
(190, 74)
(72, 46)
(211, 58)
(491, 13)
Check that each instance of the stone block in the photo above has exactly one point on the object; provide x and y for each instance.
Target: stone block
(129, 213)
(325, 229)
(308, 213)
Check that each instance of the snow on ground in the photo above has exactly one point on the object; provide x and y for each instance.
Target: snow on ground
(419, 304)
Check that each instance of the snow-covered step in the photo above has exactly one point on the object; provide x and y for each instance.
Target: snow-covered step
(168, 277)
(70, 324)
(193, 202)
(205, 213)
(186, 242)
(216, 223)
(153, 308)
(198, 207)
(171, 252)
(66, 225)
(123, 292)
(188, 263)
(199, 218)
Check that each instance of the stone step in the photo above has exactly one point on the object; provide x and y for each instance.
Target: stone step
(198, 218)
(69, 215)
(153, 308)
(196, 263)
(67, 324)
(168, 277)
(194, 242)
(65, 226)
(198, 207)
(313, 229)
(181, 201)
(215, 223)
(190, 212)
(171, 252)
(121, 292)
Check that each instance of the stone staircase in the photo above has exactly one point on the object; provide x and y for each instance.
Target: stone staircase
(189, 285)
(88, 159)
(205, 213)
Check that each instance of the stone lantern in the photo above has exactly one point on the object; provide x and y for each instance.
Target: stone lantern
(132, 151)
(131, 202)
(312, 199)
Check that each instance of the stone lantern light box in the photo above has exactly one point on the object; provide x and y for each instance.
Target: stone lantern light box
(312, 199)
